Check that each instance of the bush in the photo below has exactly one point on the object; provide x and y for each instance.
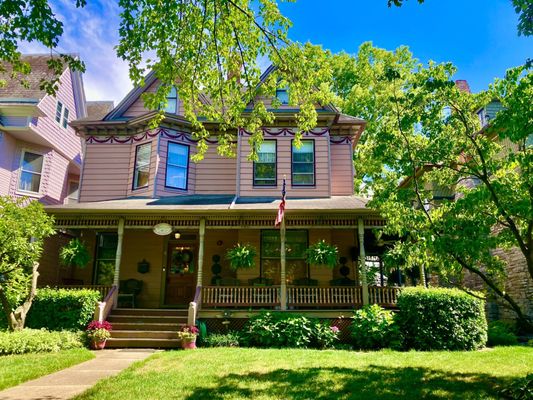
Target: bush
(287, 330)
(230, 339)
(373, 328)
(520, 389)
(38, 341)
(501, 334)
(441, 319)
(62, 309)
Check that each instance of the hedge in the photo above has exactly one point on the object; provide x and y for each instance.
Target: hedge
(62, 309)
(441, 319)
(38, 341)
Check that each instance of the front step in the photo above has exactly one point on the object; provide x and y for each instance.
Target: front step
(138, 334)
(139, 326)
(151, 312)
(142, 343)
(146, 319)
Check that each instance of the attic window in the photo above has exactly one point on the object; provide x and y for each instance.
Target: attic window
(62, 115)
(59, 111)
(172, 101)
(283, 96)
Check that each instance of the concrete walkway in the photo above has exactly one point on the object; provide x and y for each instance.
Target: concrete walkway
(72, 381)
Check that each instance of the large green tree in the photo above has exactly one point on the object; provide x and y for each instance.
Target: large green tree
(23, 228)
(451, 189)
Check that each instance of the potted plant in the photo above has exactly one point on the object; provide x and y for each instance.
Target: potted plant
(322, 253)
(241, 256)
(98, 333)
(188, 335)
(74, 254)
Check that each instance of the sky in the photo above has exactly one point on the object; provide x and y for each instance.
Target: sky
(478, 36)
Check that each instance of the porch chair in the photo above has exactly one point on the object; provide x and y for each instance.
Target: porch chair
(129, 289)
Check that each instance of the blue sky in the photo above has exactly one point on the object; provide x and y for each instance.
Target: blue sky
(478, 36)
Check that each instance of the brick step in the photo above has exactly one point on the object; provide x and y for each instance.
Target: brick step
(150, 312)
(138, 334)
(141, 326)
(114, 343)
(157, 319)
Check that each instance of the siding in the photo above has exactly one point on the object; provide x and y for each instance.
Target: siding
(106, 172)
(137, 108)
(216, 174)
(7, 152)
(321, 188)
(342, 173)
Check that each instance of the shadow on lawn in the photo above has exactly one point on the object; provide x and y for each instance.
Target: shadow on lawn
(373, 382)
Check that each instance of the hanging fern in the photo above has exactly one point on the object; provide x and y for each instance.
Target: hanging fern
(75, 254)
(241, 256)
(322, 253)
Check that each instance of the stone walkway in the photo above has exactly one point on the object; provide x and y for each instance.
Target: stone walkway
(72, 381)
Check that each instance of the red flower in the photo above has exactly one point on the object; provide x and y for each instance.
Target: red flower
(94, 325)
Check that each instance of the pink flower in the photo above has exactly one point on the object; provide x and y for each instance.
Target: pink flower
(94, 325)
(335, 329)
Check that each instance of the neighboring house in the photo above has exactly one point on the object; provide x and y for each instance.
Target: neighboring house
(151, 216)
(40, 154)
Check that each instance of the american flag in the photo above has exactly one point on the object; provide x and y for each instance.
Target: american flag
(281, 209)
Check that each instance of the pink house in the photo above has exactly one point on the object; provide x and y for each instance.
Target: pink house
(40, 154)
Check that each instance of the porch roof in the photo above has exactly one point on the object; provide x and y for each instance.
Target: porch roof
(214, 203)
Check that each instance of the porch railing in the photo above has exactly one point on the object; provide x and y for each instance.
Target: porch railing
(103, 309)
(332, 296)
(383, 295)
(228, 296)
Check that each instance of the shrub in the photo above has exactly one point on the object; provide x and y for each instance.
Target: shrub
(520, 389)
(373, 328)
(501, 334)
(230, 339)
(441, 319)
(62, 309)
(270, 329)
(38, 341)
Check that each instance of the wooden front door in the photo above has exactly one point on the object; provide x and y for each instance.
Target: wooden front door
(180, 274)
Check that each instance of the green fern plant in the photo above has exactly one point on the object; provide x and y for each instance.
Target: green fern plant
(74, 253)
(241, 256)
(322, 253)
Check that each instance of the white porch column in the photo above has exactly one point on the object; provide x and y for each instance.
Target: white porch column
(200, 272)
(118, 255)
(362, 256)
(283, 271)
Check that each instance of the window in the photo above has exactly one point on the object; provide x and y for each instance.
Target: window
(59, 111)
(73, 189)
(104, 264)
(177, 166)
(303, 164)
(295, 246)
(141, 171)
(65, 118)
(282, 95)
(265, 166)
(31, 167)
(172, 101)
(62, 115)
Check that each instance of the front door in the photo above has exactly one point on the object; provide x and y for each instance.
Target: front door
(180, 274)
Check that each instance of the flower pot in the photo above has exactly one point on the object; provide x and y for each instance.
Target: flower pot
(188, 344)
(98, 344)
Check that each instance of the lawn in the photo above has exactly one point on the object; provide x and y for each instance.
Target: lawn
(15, 369)
(217, 374)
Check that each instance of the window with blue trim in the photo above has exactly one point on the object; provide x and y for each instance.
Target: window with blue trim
(282, 95)
(177, 166)
(303, 163)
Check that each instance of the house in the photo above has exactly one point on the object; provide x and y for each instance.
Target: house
(40, 154)
(159, 225)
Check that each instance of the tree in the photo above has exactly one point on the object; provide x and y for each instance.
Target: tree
(22, 231)
(423, 142)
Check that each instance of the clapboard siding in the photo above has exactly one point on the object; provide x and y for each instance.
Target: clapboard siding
(216, 174)
(342, 173)
(7, 152)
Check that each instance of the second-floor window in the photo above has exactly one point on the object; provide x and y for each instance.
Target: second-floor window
(265, 166)
(303, 164)
(177, 166)
(31, 168)
(62, 115)
(141, 172)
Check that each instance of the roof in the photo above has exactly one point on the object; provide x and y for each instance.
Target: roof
(214, 203)
(39, 72)
(97, 110)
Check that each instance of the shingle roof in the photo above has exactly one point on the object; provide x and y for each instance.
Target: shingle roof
(97, 110)
(39, 71)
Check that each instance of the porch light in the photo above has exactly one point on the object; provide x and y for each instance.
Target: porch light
(177, 235)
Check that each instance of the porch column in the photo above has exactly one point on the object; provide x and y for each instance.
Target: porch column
(118, 255)
(283, 272)
(200, 273)
(362, 256)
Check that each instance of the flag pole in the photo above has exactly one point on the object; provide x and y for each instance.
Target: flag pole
(283, 273)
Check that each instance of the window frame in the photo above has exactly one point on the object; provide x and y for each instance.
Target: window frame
(275, 184)
(171, 97)
(261, 258)
(21, 170)
(59, 107)
(133, 187)
(186, 168)
(64, 113)
(283, 90)
(314, 165)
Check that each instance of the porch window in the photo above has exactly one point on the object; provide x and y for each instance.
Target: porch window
(141, 172)
(177, 166)
(296, 242)
(303, 163)
(31, 167)
(104, 265)
(265, 166)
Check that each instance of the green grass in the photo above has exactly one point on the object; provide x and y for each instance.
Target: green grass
(15, 369)
(226, 373)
